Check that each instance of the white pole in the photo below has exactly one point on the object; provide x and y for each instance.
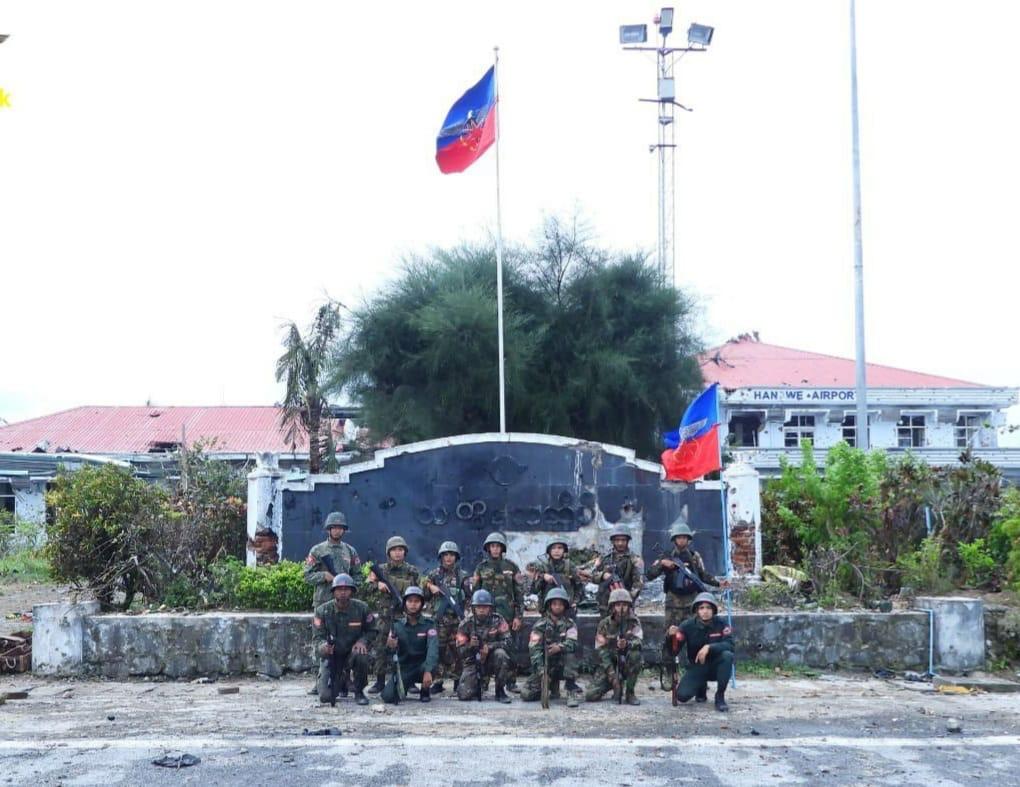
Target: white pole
(861, 384)
(499, 259)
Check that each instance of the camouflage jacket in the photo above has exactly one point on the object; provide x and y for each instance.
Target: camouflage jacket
(608, 631)
(566, 574)
(345, 626)
(402, 575)
(557, 632)
(628, 566)
(494, 631)
(457, 583)
(676, 583)
(503, 579)
(344, 558)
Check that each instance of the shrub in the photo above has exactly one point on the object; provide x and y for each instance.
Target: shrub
(978, 564)
(281, 588)
(925, 569)
(1004, 540)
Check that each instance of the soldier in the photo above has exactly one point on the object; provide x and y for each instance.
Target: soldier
(557, 634)
(618, 635)
(503, 579)
(709, 644)
(401, 575)
(330, 558)
(415, 643)
(618, 568)
(344, 632)
(483, 643)
(680, 588)
(556, 570)
(448, 576)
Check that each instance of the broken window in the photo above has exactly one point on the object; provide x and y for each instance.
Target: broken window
(798, 428)
(910, 431)
(744, 428)
(850, 429)
(6, 497)
(968, 427)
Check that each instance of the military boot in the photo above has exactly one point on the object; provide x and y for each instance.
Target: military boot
(360, 698)
(573, 692)
(702, 695)
(437, 687)
(502, 696)
(554, 689)
(343, 690)
(720, 702)
(666, 678)
(631, 699)
(379, 680)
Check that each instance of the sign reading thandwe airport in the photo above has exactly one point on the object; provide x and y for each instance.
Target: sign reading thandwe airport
(784, 396)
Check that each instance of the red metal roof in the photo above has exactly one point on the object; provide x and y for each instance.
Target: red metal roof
(746, 363)
(126, 430)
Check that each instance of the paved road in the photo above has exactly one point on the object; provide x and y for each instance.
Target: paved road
(837, 730)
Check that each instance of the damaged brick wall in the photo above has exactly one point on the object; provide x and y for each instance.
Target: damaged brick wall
(742, 547)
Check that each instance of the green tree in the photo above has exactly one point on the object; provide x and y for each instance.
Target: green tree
(595, 347)
(301, 368)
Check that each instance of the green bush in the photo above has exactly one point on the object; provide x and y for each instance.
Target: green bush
(925, 569)
(281, 587)
(978, 564)
(1004, 540)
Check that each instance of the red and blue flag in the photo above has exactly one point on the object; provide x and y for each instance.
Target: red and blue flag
(470, 126)
(693, 449)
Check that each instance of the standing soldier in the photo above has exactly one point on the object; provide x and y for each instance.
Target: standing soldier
(387, 603)
(618, 641)
(413, 640)
(709, 644)
(619, 568)
(679, 585)
(503, 579)
(327, 560)
(450, 577)
(556, 635)
(483, 641)
(344, 631)
(556, 570)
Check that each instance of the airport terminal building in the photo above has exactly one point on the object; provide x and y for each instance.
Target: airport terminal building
(772, 398)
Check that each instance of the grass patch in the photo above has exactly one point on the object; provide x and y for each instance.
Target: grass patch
(28, 565)
(759, 669)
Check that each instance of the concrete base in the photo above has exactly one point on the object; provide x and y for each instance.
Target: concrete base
(959, 632)
(234, 643)
(57, 634)
(979, 683)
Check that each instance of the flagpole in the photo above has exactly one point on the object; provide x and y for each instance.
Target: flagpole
(499, 257)
(727, 563)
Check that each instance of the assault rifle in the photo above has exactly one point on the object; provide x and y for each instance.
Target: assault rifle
(621, 662)
(674, 647)
(401, 691)
(479, 673)
(448, 600)
(333, 677)
(545, 669)
(398, 601)
(327, 561)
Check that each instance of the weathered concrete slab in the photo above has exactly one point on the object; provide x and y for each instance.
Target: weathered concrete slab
(959, 631)
(978, 682)
(57, 647)
(236, 643)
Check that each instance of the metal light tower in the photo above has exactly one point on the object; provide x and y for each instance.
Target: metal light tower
(698, 38)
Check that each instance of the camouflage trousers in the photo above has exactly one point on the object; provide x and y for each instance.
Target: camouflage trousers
(381, 656)
(497, 665)
(561, 666)
(344, 662)
(449, 662)
(605, 672)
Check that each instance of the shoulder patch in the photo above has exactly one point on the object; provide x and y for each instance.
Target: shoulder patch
(432, 633)
(572, 632)
(310, 560)
(317, 622)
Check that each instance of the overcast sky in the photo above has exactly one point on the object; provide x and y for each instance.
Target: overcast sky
(179, 178)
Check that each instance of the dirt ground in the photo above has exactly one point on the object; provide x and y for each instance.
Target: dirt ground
(18, 598)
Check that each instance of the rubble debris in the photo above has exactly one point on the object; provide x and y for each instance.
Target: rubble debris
(323, 731)
(177, 761)
(228, 690)
(16, 652)
(953, 725)
(14, 695)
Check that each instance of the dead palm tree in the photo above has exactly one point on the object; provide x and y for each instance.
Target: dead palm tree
(301, 368)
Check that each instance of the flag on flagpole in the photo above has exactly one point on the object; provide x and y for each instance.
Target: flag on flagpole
(470, 126)
(693, 449)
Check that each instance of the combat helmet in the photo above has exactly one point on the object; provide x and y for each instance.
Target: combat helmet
(449, 546)
(554, 541)
(620, 594)
(620, 531)
(495, 538)
(702, 598)
(556, 593)
(395, 541)
(481, 598)
(344, 581)
(335, 519)
(680, 528)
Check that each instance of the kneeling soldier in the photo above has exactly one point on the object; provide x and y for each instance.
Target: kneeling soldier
(344, 630)
(413, 645)
(709, 644)
(557, 634)
(618, 640)
(483, 642)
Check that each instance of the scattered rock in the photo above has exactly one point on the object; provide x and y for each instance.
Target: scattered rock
(111, 718)
(228, 690)
(754, 731)
(953, 725)
(379, 708)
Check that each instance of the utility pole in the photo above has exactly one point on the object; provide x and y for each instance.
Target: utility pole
(861, 383)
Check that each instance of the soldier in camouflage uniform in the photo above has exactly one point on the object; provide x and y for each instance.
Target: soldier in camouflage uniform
(403, 575)
(344, 634)
(325, 561)
(413, 639)
(556, 570)
(483, 643)
(456, 582)
(680, 590)
(620, 631)
(620, 563)
(503, 579)
(560, 632)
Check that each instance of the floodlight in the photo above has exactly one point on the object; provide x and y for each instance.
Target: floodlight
(665, 21)
(700, 34)
(2, 38)
(633, 34)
